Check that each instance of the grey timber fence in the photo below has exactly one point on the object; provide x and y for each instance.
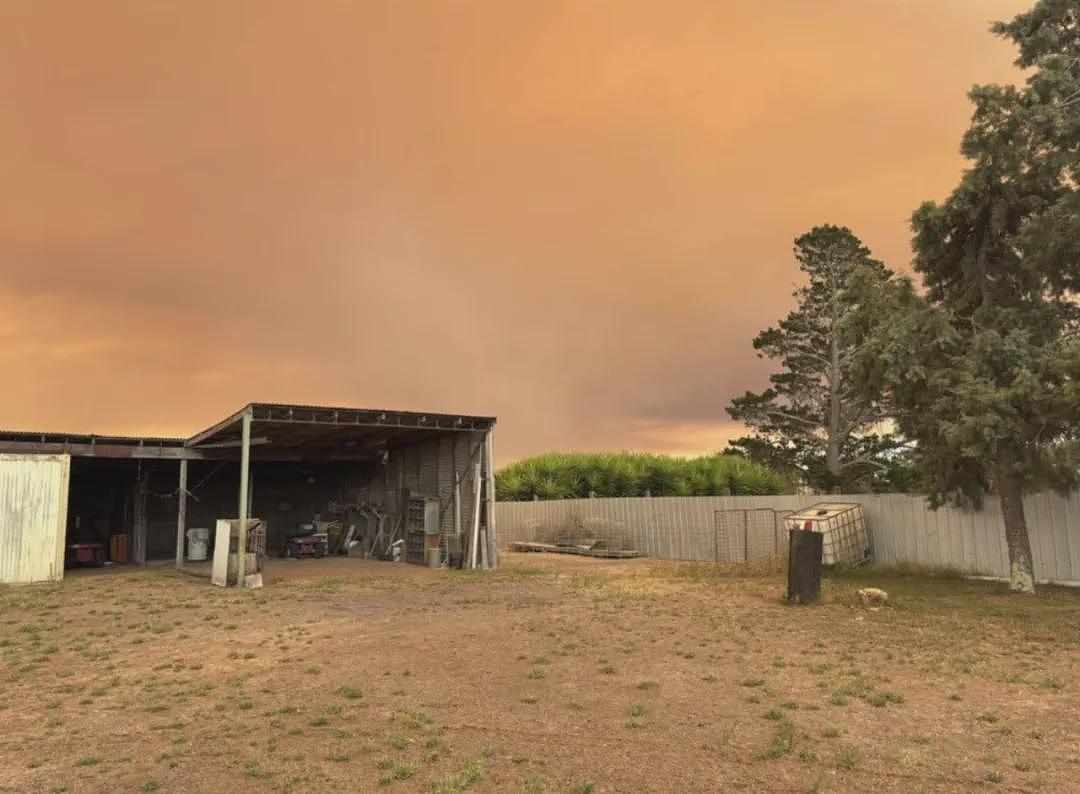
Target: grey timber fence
(903, 529)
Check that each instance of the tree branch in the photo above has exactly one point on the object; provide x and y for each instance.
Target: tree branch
(793, 417)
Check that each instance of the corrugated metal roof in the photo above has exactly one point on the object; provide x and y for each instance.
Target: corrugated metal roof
(344, 418)
(52, 436)
(292, 426)
(344, 409)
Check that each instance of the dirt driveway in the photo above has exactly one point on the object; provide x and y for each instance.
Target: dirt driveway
(554, 674)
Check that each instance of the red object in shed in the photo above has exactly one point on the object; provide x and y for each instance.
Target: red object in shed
(91, 554)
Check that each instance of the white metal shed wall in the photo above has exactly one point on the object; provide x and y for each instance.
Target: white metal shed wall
(33, 517)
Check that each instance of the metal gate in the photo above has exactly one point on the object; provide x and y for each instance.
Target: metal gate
(749, 535)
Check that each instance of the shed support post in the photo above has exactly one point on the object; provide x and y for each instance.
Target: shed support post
(489, 503)
(474, 540)
(181, 515)
(457, 508)
(245, 465)
(481, 485)
(138, 533)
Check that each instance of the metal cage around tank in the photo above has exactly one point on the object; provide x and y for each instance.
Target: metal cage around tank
(845, 540)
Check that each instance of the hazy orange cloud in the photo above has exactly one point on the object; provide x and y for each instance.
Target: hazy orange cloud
(572, 215)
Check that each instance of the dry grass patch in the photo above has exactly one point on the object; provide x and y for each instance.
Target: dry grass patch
(361, 675)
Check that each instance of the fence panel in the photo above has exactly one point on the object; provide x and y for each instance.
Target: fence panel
(902, 528)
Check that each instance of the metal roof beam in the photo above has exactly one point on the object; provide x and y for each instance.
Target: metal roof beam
(143, 452)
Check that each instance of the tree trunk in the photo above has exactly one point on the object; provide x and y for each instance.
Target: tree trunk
(832, 449)
(1021, 568)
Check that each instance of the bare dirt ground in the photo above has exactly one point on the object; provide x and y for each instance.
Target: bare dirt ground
(554, 674)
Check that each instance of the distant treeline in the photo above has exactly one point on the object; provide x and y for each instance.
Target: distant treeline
(559, 475)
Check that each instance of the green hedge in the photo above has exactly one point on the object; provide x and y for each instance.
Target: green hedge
(561, 475)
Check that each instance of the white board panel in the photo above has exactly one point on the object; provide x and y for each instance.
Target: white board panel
(33, 517)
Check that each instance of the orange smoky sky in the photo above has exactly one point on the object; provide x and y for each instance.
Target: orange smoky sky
(572, 215)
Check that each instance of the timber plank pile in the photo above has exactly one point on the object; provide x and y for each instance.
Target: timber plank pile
(595, 549)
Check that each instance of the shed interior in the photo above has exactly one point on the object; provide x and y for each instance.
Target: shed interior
(363, 477)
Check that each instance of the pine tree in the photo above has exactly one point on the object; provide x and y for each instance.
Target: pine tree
(983, 369)
(813, 414)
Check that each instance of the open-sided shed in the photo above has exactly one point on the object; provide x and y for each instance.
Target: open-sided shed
(287, 464)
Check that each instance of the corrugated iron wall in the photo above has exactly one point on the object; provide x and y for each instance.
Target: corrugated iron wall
(33, 517)
(428, 469)
(902, 528)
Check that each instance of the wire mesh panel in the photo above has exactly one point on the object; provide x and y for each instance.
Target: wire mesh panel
(749, 535)
(593, 533)
(591, 537)
(730, 536)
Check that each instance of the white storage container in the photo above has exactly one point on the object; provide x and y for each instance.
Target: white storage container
(846, 540)
(198, 539)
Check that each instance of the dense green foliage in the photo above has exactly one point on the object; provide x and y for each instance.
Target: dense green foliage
(888, 468)
(812, 417)
(983, 368)
(560, 475)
